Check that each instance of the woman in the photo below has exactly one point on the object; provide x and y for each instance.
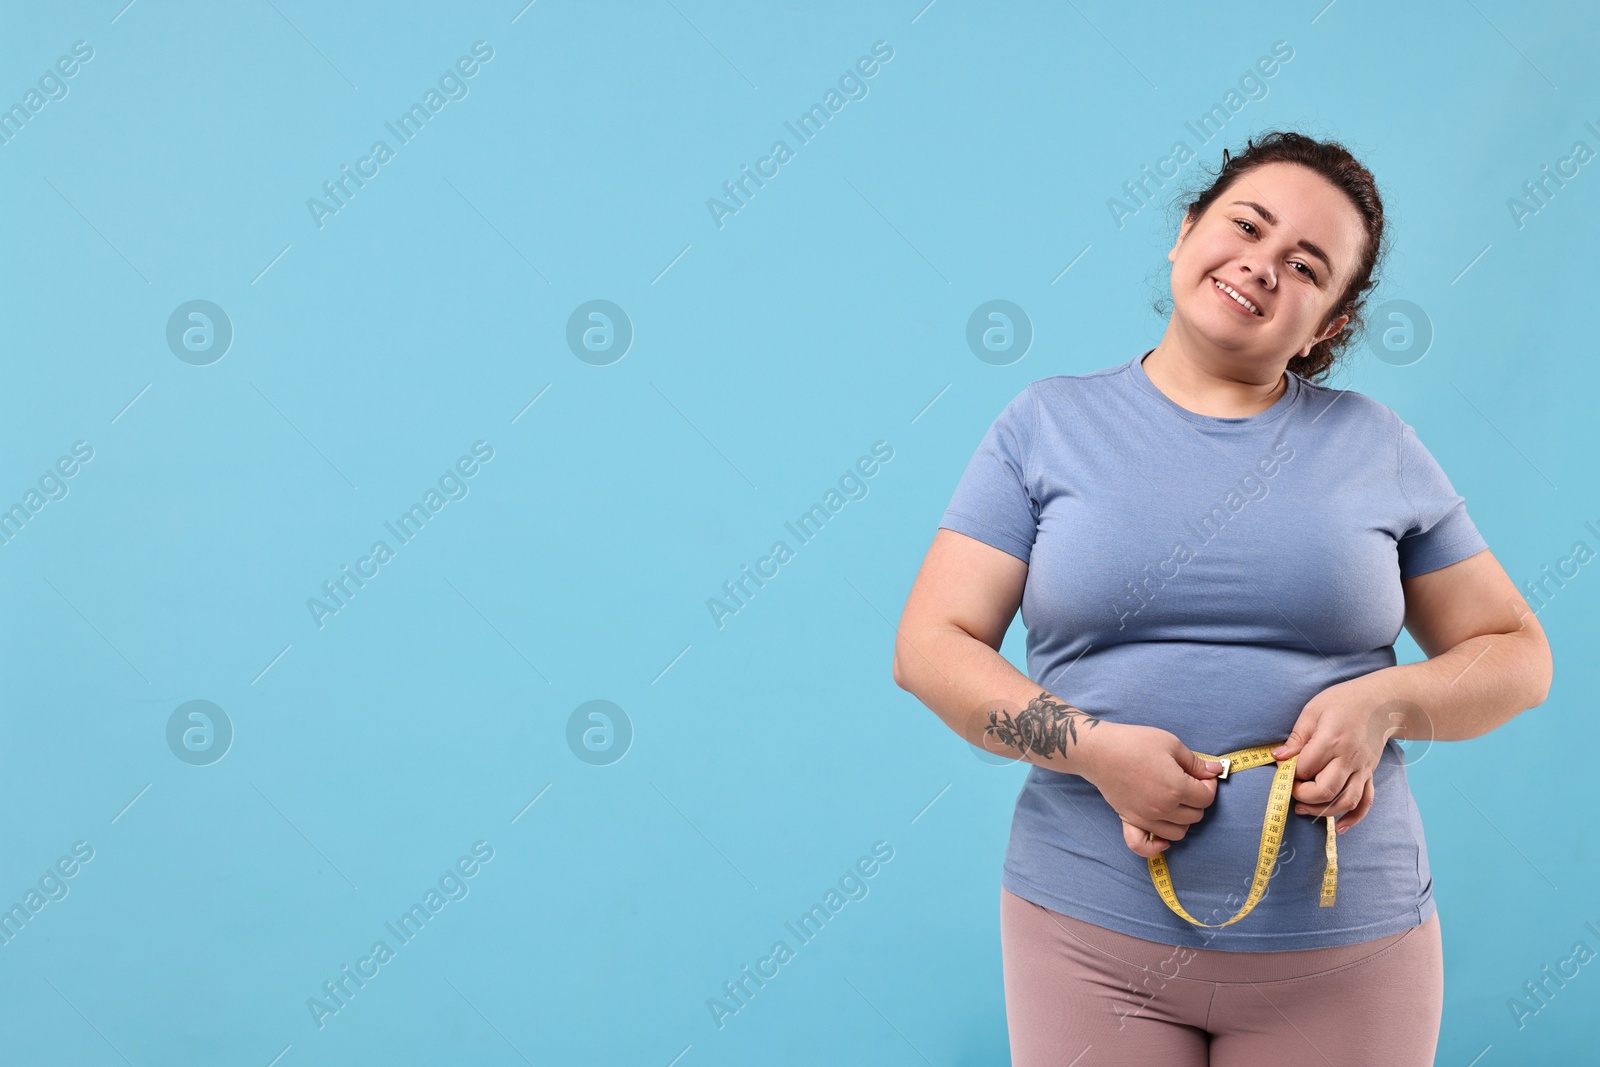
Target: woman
(1211, 552)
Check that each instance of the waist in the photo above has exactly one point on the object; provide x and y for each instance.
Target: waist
(1067, 842)
(1208, 964)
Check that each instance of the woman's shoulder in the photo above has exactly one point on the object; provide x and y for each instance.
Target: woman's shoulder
(1067, 380)
(1332, 408)
(1088, 380)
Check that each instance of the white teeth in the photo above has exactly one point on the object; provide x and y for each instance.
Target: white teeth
(1233, 293)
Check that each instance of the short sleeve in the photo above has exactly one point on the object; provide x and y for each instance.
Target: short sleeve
(993, 501)
(1441, 532)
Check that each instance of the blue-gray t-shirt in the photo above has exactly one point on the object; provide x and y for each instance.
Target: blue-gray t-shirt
(1209, 576)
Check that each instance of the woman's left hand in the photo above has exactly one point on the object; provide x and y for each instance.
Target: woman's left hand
(1339, 737)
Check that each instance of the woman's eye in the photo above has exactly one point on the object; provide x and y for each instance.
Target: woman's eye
(1309, 272)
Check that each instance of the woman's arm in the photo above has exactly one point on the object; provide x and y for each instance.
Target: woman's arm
(946, 654)
(1488, 658)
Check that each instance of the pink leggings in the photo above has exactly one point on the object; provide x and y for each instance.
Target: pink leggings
(1079, 995)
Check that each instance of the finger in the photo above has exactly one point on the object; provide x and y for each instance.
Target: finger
(1343, 798)
(1350, 799)
(1316, 755)
(1345, 801)
(1169, 830)
(1197, 792)
(1198, 768)
(1325, 785)
(1294, 744)
(1311, 762)
(1139, 841)
(1368, 795)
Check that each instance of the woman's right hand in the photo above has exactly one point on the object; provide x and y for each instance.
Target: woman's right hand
(1154, 782)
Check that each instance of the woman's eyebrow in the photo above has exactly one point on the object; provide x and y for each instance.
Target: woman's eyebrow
(1272, 220)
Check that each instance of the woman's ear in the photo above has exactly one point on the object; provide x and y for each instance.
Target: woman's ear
(1183, 231)
(1333, 327)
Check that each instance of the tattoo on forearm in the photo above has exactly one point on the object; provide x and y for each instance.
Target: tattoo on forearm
(1042, 728)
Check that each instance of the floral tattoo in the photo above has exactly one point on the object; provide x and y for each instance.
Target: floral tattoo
(1043, 727)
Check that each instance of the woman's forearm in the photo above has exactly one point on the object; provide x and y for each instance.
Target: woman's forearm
(1463, 693)
(991, 704)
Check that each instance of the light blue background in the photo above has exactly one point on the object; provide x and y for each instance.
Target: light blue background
(769, 354)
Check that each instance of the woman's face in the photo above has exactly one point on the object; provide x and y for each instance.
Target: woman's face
(1287, 240)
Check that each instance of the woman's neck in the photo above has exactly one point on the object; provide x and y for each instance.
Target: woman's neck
(1202, 392)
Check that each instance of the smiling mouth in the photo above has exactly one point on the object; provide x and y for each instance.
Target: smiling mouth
(1236, 297)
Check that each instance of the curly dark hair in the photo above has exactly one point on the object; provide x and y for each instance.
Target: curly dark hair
(1335, 163)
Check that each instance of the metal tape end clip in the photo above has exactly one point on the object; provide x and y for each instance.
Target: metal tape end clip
(1227, 765)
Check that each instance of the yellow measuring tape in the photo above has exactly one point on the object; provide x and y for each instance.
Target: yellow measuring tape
(1271, 835)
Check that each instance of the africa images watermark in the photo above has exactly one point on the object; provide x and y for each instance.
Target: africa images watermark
(1541, 591)
(52, 887)
(452, 86)
(852, 887)
(1537, 193)
(1138, 194)
(52, 486)
(1539, 995)
(852, 486)
(852, 86)
(452, 485)
(1252, 486)
(52, 87)
(452, 886)
(1181, 955)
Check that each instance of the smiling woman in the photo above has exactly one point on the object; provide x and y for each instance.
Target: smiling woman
(1268, 233)
(1149, 646)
